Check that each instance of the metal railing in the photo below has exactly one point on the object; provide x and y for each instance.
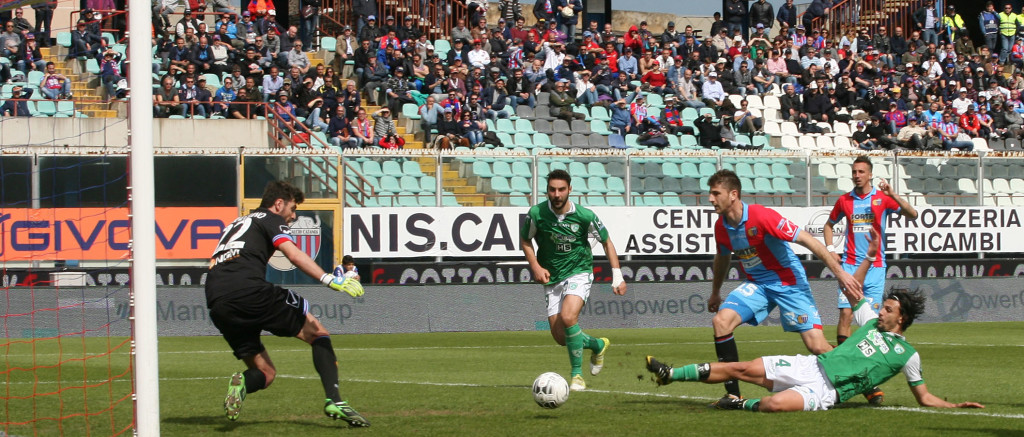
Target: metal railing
(815, 179)
(846, 15)
(108, 22)
(432, 17)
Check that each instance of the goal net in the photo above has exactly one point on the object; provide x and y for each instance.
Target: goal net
(65, 308)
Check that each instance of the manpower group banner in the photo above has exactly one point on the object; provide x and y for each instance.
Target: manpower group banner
(492, 307)
(494, 232)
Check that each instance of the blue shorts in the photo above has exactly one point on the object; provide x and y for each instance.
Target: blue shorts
(874, 287)
(754, 301)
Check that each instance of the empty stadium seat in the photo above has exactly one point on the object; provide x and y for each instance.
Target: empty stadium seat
(807, 142)
(482, 169)
(502, 168)
(790, 142)
(615, 184)
(967, 186)
(372, 168)
(596, 184)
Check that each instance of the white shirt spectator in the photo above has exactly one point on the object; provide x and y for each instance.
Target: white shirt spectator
(479, 58)
(932, 69)
(713, 90)
(552, 59)
(961, 104)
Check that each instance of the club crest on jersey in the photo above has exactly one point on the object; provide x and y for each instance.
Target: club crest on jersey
(752, 231)
(307, 235)
(876, 202)
(575, 227)
(795, 319)
(897, 348)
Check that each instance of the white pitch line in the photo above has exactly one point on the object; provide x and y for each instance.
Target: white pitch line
(947, 412)
(950, 412)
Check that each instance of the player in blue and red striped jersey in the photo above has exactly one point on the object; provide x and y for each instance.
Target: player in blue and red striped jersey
(760, 238)
(864, 208)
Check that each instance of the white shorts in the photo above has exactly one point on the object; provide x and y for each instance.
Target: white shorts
(802, 374)
(576, 285)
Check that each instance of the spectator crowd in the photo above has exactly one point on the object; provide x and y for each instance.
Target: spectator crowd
(925, 87)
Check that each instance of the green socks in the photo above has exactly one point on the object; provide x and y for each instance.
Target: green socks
(593, 343)
(574, 342)
(751, 405)
(692, 372)
(685, 373)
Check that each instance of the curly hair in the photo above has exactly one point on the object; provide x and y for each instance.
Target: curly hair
(911, 304)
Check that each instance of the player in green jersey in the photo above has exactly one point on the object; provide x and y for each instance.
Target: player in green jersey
(564, 263)
(873, 354)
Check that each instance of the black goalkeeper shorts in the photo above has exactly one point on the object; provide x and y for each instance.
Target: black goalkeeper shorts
(242, 317)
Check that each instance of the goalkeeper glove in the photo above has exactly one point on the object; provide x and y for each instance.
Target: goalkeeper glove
(341, 283)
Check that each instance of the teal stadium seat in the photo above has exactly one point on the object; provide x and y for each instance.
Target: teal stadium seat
(521, 184)
(615, 184)
(428, 184)
(521, 139)
(522, 168)
(391, 168)
(44, 108)
(412, 168)
(410, 183)
(525, 126)
(595, 168)
(64, 39)
(426, 199)
(596, 184)
(502, 168)
(577, 168)
(670, 169)
(329, 43)
(500, 185)
(408, 199)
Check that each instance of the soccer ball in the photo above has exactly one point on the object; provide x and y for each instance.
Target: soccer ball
(550, 390)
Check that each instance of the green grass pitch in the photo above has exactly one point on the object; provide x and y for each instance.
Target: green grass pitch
(477, 384)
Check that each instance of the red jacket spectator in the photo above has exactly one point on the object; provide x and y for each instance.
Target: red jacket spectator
(633, 40)
(970, 123)
(655, 77)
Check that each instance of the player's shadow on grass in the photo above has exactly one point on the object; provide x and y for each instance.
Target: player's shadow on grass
(221, 424)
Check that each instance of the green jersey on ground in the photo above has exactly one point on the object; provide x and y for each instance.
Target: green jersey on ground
(563, 242)
(869, 357)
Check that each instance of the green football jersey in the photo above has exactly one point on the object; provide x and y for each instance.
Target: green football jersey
(563, 242)
(869, 358)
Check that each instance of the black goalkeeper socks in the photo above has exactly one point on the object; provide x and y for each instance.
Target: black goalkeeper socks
(840, 339)
(725, 347)
(326, 365)
(255, 380)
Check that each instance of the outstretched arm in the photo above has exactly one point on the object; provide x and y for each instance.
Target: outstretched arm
(926, 399)
(847, 283)
(301, 260)
(906, 208)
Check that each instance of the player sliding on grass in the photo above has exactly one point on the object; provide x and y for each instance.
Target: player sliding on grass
(760, 238)
(874, 353)
(563, 262)
(242, 303)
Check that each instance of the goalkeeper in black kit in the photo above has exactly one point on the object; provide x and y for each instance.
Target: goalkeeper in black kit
(242, 303)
